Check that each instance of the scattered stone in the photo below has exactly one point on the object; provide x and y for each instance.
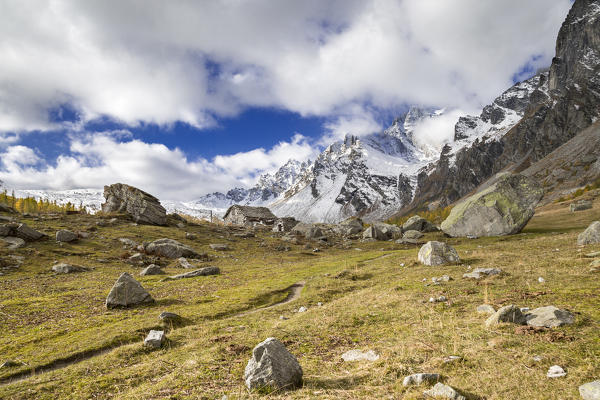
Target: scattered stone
(64, 268)
(479, 273)
(590, 390)
(21, 231)
(166, 316)
(485, 309)
(309, 231)
(503, 208)
(549, 317)
(141, 206)
(244, 235)
(170, 248)
(581, 205)
(595, 266)
(358, 355)
(283, 318)
(199, 272)
(127, 292)
(444, 391)
(591, 235)
(190, 236)
(443, 278)
(508, 313)
(302, 309)
(541, 280)
(556, 371)
(152, 269)
(272, 366)
(154, 339)
(219, 247)
(373, 232)
(440, 299)
(13, 242)
(537, 358)
(417, 223)
(452, 359)
(182, 262)
(66, 236)
(137, 258)
(388, 230)
(419, 379)
(437, 253)
(412, 235)
(128, 242)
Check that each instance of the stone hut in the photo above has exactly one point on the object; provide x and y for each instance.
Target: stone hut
(284, 224)
(249, 216)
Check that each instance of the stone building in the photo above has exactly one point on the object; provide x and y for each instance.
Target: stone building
(284, 224)
(249, 216)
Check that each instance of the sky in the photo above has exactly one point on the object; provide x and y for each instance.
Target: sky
(183, 98)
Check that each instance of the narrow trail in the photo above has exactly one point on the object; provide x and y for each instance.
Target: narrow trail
(294, 292)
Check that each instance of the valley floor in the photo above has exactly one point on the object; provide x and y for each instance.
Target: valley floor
(373, 297)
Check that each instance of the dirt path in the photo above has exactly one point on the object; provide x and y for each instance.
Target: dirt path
(293, 294)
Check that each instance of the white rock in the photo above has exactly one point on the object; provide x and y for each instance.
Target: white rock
(358, 355)
(302, 309)
(590, 390)
(556, 371)
(154, 339)
(418, 379)
(541, 280)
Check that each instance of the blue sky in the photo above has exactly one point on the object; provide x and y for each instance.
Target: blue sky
(184, 98)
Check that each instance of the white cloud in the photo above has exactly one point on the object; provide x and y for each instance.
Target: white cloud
(101, 159)
(437, 131)
(147, 61)
(354, 120)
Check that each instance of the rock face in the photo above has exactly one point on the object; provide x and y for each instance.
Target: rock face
(63, 268)
(438, 253)
(418, 223)
(170, 248)
(549, 317)
(508, 313)
(501, 209)
(591, 235)
(141, 206)
(66, 236)
(127, 292)
(272, 366)
(590, 391)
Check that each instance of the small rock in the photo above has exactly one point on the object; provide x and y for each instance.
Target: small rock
(66, 236)
(479, 273)
(593, 254)
(541, 280)
(199, 272)
(508, 313)
(443, 278)
(437, 253)
(418, 379)
(451, 359)
(170, 248)
(13, 242)
(152, 269)
(219, 247)
(154, 339)
(485, 309)
(556, 371)
(590, 390)
(166, 316)
(319, 304)
(128, 242)
(537, 358)
(272, 366)
(190, 236)
(358, 355)
(64, 268)
(444, 391)
(412, 234)
(302, 309)
(182, 262)
(591, 235)
(283, 318)
(549, 317)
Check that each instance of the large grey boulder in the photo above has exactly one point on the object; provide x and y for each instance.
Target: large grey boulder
(66, 236)
(503, 208)
(414, 235)
(351, 226)
(309, 231)
(549, 317)
(442, 391)
(591, 235)
(373, 232)
(141, 206)
(391, 231)
(127, 292)
(508, 313)
(418, 223)
(438, 253)
(170, 248)
(272, 366)
(64, 268)
(21, 231)
(590, 390)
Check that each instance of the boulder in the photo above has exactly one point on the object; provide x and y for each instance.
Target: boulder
(66, 236)
(503, 208)
(438, 253)
(64, 268)
(508, 313)
(21, 231)
(128, 242)
(479, 273)
(152, 269)
(199, 272)
(169, 317)
(351, 226)
(309, 231)
(412, 235)
(485, 309)
(7, 209)
(141, 206)
(556, 371)
(272, 366)
(391, 231)
(182, 262)
(590, 390)
(219, 246)
(418, 223)
(591, 235)
(580, 205)
(418, 379)
(127, 292)
(170, 248)
(359, 355)
(13, 242)
(549, 317)
(441, 391)
(154, 339)
(373, 232)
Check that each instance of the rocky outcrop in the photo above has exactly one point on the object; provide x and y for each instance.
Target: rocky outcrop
(272, 366)
(141, 206)
(127, 292)
(500, 209)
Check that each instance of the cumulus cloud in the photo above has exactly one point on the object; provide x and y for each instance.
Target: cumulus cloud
(160, 62)
(433, 133)
(100, 159)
